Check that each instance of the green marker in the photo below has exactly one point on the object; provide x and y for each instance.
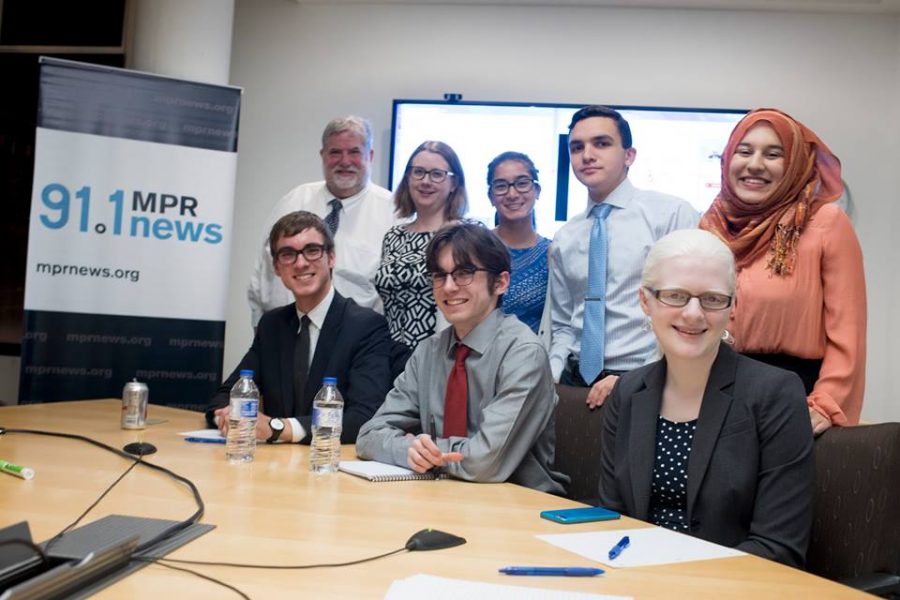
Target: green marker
(23, 472)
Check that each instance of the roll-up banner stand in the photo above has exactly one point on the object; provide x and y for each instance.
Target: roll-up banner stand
(130, 235)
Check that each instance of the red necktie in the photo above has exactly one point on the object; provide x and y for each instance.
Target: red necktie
(457, 396)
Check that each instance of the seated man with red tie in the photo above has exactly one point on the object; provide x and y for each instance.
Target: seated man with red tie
(321, 334)
(476, 399)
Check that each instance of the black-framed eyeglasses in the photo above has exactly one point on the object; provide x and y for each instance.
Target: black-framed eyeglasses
(679, 298)
(435, 175)
(461, 276)
(311, 252)
(500, 187)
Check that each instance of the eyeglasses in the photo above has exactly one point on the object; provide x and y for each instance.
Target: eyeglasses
(462, 276)
(435, 175)
(680, 298)
(500, 187)
(311, 252)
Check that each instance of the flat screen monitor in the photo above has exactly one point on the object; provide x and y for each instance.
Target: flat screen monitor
(678, 149)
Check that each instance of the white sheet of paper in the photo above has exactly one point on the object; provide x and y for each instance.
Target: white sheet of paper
(649, 546)
(207, 434)
(442, 588)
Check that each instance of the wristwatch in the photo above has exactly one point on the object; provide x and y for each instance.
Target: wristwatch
(277, 426)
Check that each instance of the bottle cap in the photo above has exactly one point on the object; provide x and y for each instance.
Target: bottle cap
(329, 381)
(246, 372)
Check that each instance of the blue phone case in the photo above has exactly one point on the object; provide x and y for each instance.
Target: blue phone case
(568, 516)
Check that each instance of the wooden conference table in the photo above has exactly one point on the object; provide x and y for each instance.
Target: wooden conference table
(274, 511)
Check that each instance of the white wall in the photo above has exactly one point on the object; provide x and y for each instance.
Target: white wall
(301, 65)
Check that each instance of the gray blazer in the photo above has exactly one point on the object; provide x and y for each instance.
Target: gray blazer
(751, 472)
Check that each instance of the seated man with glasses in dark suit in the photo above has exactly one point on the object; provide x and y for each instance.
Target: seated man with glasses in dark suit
(476, 399)
(321, 334)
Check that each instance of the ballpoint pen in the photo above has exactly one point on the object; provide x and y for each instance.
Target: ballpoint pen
(436, 471)
(617, 549)
(202, 440)
(558, 571)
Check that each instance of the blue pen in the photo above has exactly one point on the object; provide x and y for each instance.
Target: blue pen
(201, 440)
(617, 549)
(558, 571)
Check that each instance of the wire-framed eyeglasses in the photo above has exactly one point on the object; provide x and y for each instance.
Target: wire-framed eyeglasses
(677, 298)
(462, 276)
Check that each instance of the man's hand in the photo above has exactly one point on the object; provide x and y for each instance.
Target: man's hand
(819, 423)
(600, 391)
(263, 431)
(221, 417)
(424, 455)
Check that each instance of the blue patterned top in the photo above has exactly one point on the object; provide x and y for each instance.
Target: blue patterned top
(528, 283)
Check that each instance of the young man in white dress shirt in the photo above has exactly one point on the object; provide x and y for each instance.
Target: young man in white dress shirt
(357, 211)
(601, 151)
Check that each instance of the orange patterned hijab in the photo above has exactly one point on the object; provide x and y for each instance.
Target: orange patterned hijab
(812, 177)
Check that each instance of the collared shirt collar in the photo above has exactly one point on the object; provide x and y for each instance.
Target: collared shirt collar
(350, 202)
(480, 337)
(619, 197)
(317, 315)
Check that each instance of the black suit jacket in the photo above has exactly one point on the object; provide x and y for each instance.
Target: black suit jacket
(751, 471)
(354, 345)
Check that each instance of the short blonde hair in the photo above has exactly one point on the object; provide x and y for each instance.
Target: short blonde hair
(687, 242)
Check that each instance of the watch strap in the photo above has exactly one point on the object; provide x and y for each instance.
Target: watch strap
(276, 433)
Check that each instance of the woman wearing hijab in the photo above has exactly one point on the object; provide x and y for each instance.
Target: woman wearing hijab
(801, 292)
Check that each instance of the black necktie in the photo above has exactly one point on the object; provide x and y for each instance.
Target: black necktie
(301, 364)
(333, 219)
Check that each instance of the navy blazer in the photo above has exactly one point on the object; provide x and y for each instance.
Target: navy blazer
(354, 345)
(751, 471)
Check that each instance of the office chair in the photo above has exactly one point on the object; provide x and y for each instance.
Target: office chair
(578, 443)
(856, 526)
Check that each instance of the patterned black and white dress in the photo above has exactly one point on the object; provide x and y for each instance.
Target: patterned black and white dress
(405, 287)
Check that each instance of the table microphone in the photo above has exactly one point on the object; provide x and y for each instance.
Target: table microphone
(139, 448)
(432, 539)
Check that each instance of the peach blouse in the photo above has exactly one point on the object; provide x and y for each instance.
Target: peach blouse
(819, 312)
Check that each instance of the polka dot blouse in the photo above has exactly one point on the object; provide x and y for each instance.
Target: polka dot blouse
(668, 494)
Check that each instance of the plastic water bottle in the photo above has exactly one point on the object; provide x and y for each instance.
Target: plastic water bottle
(327, 419)
(240, 445)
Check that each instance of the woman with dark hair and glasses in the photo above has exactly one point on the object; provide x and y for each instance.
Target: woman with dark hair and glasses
(801, 285)
(432, 194)
(706, 441)
(513, 188)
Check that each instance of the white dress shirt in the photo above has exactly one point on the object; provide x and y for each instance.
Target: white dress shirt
(364, 220)
(637, 220)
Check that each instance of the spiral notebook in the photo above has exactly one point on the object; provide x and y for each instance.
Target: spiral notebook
(378, 471)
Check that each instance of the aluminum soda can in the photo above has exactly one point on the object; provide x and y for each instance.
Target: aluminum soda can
(135, 396)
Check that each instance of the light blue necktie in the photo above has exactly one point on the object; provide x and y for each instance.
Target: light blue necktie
(593, 331)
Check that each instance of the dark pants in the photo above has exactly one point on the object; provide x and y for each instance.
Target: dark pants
(806, 368)
(572, 376)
